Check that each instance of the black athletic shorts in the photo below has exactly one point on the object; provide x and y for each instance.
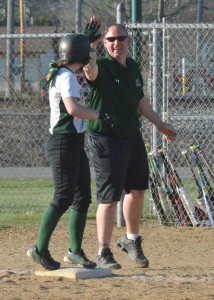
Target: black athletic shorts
(119, 164)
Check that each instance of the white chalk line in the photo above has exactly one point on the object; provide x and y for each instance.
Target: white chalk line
(176, 278)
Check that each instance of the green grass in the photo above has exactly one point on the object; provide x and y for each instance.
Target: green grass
(22, 201)
(25, 195)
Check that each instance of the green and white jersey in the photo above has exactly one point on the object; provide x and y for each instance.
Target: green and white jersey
(64, 85)
(116, 90)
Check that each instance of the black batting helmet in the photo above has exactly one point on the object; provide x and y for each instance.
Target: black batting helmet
(75, 48)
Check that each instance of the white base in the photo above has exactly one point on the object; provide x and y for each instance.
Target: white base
(76, 273)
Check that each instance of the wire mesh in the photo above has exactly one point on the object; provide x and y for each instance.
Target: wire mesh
(177, 64)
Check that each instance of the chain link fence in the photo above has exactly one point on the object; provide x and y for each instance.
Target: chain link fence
(177, 64)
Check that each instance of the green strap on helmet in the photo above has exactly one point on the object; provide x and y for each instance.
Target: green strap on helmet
(53, 69)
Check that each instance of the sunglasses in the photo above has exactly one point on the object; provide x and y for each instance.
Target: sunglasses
(120, 38)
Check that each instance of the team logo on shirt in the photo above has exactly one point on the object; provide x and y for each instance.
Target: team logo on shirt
(137, 82)
(117, 81)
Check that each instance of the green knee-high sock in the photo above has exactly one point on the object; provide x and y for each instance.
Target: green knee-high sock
(49, 220)
(77, 223)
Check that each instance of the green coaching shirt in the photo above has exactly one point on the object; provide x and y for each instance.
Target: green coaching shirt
(116, 90)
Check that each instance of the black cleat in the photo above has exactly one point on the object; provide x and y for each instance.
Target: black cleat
(106, 260)
(79, 259)
(44, 259)
(134, 250)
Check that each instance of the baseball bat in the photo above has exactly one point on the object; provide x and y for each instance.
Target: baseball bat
(157, 202)
(155, 187)
(206, 196)
(207, 182)
(165, 192)
(185, 198)
(207, 163)
(187, 201)
(177, 201)
(200, 198)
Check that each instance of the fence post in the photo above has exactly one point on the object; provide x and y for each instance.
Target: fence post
(10, 49)
(79, 16)
(121, 15)
(157, 82)
(136, 36)
(165, 77)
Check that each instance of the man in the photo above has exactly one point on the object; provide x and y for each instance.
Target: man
(118, 152)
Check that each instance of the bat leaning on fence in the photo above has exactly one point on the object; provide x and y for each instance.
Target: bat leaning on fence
(206, 189)
(166, 195)
(177, 200)
(191, 209)
(157, 202)
(207, 182)
(184, 195)
(155, 187)
(207, 163)
(201, 210)
(200, 168)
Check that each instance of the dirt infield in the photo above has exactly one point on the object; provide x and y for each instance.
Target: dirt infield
(181, 267)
